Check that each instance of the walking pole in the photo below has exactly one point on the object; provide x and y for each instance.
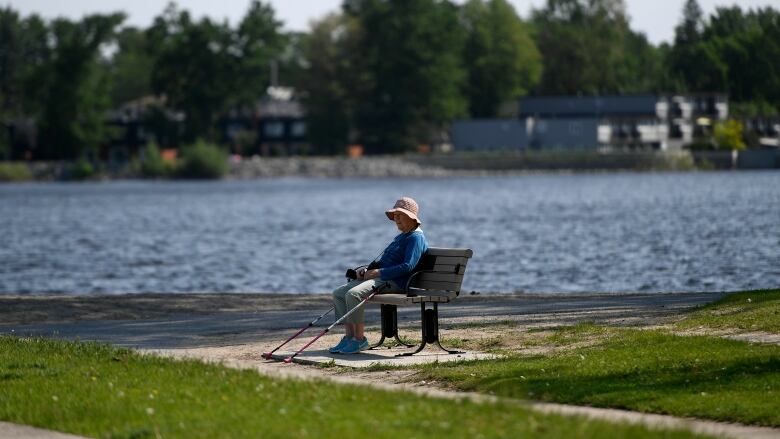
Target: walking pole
(374, 292)
(267, 355)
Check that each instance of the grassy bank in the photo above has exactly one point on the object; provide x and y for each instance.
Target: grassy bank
(654, 371)
(98, 390)
(647, 371)
(10, 172)
(748, 311)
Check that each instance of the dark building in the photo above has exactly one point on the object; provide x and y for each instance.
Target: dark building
(273, 126)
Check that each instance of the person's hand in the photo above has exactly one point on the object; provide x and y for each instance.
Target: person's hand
(371, 274)
(360, 273)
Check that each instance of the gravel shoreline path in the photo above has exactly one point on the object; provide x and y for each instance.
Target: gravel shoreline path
(166, 321)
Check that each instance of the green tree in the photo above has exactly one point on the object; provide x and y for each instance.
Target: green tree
(688, 32)
(77, 89)
(193, 67)
(258, 42)
(500, 56)
(588, 47)
(410, 71)
(203, 67)
(695, 65)
(734, 52)
(24, 58)
(328, 80)
(749, 45)
(728, 135)
(130, 67)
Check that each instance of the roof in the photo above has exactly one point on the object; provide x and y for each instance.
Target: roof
(584, 106)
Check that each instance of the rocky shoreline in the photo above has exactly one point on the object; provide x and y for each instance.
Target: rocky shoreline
(412, 165)
(336, 167)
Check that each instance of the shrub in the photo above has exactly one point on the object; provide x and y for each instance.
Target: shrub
(152, 164)
(15, 172)
(728, 135)
(81, 170)
(203, 161)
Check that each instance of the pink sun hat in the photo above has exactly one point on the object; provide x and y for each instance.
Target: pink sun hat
(407, 206)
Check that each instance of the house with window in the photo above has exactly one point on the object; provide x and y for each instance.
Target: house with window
(597, 122)
(136, 123)
(491, 134)
(275, 125)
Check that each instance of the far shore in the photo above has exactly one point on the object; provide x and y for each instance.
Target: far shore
(461, 164)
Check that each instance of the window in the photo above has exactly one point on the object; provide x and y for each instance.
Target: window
(298, 129)
(273, 129)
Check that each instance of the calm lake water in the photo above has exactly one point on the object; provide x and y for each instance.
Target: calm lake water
(534, 233)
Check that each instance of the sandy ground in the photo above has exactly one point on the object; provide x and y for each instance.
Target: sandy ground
(235, 329)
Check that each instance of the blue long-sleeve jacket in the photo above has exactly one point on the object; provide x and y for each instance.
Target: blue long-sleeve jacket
(401, 256)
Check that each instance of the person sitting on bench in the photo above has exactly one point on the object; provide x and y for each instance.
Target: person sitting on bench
(391, 272)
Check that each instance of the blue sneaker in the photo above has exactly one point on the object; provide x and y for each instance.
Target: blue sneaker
(337, 349)
(354, 346)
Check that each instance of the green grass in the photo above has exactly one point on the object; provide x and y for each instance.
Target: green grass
(102, 391)
(744, 311)
(648, 371)
(10, 171)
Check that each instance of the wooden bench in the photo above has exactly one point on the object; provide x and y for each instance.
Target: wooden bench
(436, 279)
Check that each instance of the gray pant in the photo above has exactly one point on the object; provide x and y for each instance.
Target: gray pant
(353, 292)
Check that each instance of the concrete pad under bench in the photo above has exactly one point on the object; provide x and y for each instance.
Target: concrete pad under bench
(380, 357)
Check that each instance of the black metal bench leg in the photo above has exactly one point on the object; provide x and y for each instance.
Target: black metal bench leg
(430, 330)
(423, 342)
(435, 324)
(379, 343)
(389, 322)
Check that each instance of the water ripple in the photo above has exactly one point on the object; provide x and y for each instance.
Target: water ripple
(535, 233)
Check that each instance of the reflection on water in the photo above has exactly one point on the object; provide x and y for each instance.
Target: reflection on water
(539, 233)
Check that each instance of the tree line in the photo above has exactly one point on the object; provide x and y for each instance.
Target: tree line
(388, 74)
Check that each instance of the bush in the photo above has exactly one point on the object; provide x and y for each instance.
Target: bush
(15, 172)
(152, 164)
(203, 161)
(728, 135)
(81, 170)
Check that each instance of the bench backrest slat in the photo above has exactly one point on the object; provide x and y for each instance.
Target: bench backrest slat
(450, 260)
(440, 277)
(443, 269)
(447, 268)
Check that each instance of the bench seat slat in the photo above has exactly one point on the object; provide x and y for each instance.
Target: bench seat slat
(436, 285)
(402, 299)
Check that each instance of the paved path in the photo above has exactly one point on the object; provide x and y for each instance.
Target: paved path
(232, 328)
(15, 431)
